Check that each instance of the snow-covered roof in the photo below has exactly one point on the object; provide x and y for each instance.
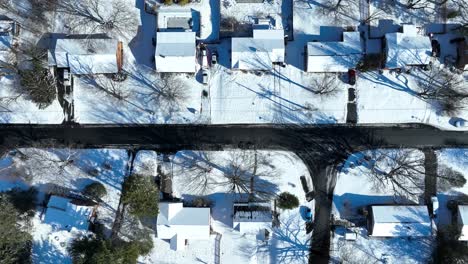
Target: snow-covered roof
(397, 221)
(334, 56)
(259, 52)
(407, 48)
(463, 222)
(185, 222)
(5, 42)
(463, 211)
(174, 19)
(63, 214)
(85, 56)
(252, 217)
(175, 52)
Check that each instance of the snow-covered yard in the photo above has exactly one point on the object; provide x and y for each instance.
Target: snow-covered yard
(289, 242)
(64, 169)
(356, 188)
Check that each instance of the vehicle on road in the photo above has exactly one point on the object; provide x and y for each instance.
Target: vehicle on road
(214, 57)
(459, 122)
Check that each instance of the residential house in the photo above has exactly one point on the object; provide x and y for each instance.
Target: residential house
(175, 20)
(399, 221)
(86, 55)
(175, 52)
(463, 222)
(407, 48)
(334, 56)
(64, 213)
(253, 218)
(180, 224)
(259, 52)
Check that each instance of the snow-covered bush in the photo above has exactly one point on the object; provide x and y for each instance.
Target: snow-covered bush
(95, 190)
(287, 201)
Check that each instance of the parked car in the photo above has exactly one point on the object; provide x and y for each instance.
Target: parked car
(66, 78)
(352, 76)
(459, 122)
(308, 214)
(204, 57)
(205, 77)
(214, 57)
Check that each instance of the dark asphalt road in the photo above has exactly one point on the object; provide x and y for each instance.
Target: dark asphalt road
(291, 138)
(320, 147)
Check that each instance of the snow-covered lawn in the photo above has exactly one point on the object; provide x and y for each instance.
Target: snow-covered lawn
(355, 189)
(289, 242)
(16, 107)
(457, 159)
(391, 98)
(58, 169)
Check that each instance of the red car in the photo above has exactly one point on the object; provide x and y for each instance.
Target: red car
(352, 76)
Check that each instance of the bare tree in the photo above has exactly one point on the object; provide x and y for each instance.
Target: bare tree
(113, 88)
(325, 84)
(94, 16)
(197, 171)
(169, 89)
(401, 170)
(444, 88)
(338, 9)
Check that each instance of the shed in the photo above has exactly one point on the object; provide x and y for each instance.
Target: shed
(252, 218)
(463, 222)
(407, 48)
(175, 52)
(334, 56)
(259, 52)
(399, 221)
(63, 213)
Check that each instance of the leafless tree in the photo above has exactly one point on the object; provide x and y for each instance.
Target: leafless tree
(444, 88)
(113, 88)
(401, 170)
(325, 84)
(168, 89)
(94, 16)
(338, 9)
(197, 172)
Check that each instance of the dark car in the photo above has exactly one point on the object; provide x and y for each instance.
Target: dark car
(214, 57)
(352, 76)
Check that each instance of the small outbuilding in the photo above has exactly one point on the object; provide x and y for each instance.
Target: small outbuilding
(178, 224)
(259, 52)
(334, 56)
(407, 48)
(253, 218)
(399, 221)
(175, 52)
(463, 222)
(64, 213)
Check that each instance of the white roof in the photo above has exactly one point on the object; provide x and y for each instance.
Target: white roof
(85, 56)
(334, 56)
(167, 17)
(63, 214)
(463, 211)
(185, 222)
(175, 52)
(5, 42)
(258, 53)
(399, 221)
(407, 48)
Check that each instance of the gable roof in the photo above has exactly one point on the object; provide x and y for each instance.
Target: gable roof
(407, 48)
(258, 52)
(63, 214)
(400, 214)
(463, 211)
(175, 52)
(84, 56)
(187, 222)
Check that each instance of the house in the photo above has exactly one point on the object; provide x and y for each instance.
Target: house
(253, 218)
(86, 55)
(259, 52)
(8, 30)
(179, 224)
(64, 213)
(463, 222)
(175, 52)
(407, 48)
(399, 221)
(334, 56)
